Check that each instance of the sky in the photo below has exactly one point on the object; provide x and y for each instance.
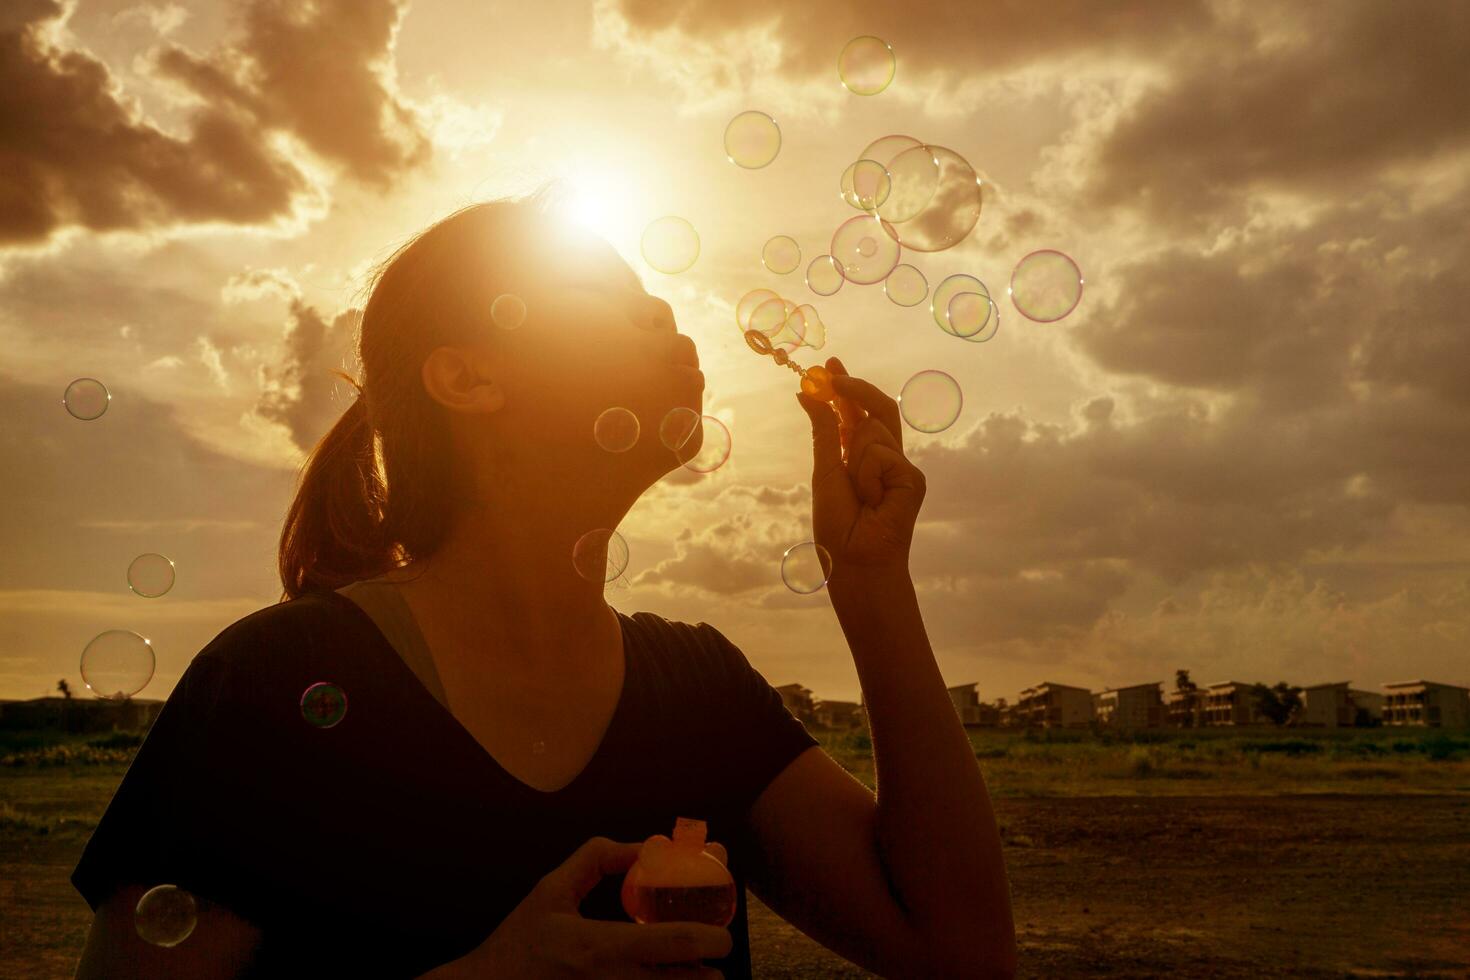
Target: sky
(1243, 454)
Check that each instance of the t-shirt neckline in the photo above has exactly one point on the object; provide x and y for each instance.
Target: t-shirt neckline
(594, 764)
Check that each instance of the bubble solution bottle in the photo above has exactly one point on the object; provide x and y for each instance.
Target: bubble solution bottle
(680, 880)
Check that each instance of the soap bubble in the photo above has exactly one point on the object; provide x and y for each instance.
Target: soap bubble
(748, 304)
(508, 311)
(866, 65)
(864, 252)
(906, 285)
(710, 451)
(670, 244)
(86, 399)
(806, 567)
(116, 664)
(773, 318)
(886, 148)
(165, 915)
(973, 316)
(930, 401)
(781, 254)
(323, 705)
(600, 555)
(808, 325)
(913, 179)
(952, 205)
(616, 430)
(947, 290)
(823, 277)
(865, 184)
(752, 140)
(151, 575)
(1046, 285)
(678, 425)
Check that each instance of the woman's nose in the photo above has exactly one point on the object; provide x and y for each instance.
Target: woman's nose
(654, 314)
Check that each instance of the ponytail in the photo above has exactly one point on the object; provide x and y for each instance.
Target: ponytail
(332, 534)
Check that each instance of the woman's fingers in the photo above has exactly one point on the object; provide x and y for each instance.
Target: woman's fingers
(873, 401)
(870, 433)
(850, 411)
(826, 444)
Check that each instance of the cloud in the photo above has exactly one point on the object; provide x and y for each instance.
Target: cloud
(299, 391)
(739, 553)
(1313, 99)
(712, 49)
(81, 154)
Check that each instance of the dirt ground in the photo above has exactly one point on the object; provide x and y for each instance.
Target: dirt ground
(1301, 886)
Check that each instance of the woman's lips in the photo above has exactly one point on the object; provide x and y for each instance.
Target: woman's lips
(684, 352)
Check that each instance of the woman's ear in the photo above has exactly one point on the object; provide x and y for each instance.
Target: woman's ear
(461, 380)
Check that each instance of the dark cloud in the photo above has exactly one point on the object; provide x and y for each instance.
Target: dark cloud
(1309, 97)
(76, 152)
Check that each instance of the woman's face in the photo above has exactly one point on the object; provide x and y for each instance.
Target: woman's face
(593, 339)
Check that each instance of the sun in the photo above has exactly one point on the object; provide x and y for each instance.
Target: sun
(605, 205)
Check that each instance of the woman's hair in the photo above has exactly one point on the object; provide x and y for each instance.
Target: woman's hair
(375, 492)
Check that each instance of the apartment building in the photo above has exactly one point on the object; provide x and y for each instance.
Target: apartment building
(1136, 706)
(967, 704)
(1050, 705)
(1426, 703)
(798, 701)
(837, 714)
(1185, 709)
(1231, 703)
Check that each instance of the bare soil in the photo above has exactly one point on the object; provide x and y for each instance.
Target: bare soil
(1235, 886)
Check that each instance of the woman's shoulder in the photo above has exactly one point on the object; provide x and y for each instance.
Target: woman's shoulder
(314, 621)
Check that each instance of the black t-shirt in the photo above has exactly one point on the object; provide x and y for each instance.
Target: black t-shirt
(393, 842)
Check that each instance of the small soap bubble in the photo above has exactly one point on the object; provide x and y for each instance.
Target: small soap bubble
(930, 401)
(323, 704)
(1046, 285)
(781, 255)
(749, 303)
(973, 316)
(709, 451)
(823, 277)
(680, 423)
(752, 140)
(906, 285)
(600, 555)
(865, 184)
(616, 430)
(151, 575)
(806, 567)
(508, 311)
(947, 290)
(670, 244)
(116, 664)
(864, 252)
(913, 178)
(866, 65)
(165, 915)
(86, 399)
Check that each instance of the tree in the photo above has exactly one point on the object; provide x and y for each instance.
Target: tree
(1281, 703)
(64, 688)
(1182, 681)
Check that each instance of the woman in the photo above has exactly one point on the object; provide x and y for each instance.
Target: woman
(509, 739)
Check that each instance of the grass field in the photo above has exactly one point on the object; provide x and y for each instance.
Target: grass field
(1195, 854)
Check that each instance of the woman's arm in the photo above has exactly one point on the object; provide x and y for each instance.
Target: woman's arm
(222, 944)
(936, 831)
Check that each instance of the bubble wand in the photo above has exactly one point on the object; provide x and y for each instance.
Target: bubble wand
(816, 380)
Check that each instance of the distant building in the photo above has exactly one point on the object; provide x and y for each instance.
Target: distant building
(1231, 703)
(1328, 706)
(1368, 705)
(798, 701)
(837, 714)
(1185, 709)
(972, 711)
(1426, 703)
(1138, 706)
(1049, 705)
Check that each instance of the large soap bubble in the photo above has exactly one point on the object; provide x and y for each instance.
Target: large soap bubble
(866, 65)
(116, 664)
(670, 244)
(930, 401)
(752, 140)
(1046, 285)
